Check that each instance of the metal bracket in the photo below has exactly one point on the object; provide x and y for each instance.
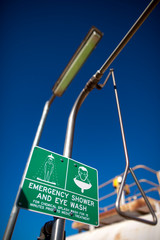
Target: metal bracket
(127, 168)
(101, 85)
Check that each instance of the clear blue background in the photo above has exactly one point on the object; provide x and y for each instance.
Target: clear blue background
(38, 38)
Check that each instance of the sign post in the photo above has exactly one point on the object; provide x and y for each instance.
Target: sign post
(61, 187)
(80, 56)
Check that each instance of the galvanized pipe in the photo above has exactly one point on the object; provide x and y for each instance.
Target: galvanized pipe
(15, 210)
(59, 223)
(129, 35)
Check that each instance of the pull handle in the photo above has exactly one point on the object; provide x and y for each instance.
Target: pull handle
(130, 216)
(126, 215)
(127, 168)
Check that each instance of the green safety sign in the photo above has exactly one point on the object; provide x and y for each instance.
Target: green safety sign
(61, 187)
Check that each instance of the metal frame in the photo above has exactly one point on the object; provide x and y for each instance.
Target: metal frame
(59, 224)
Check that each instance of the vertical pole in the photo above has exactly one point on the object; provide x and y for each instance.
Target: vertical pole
(15, 210)
(59, 224)
(58, 229)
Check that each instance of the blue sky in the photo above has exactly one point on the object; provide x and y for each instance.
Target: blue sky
(38, 38)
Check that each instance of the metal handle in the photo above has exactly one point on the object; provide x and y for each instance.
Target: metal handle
(127, 215)
(127, 168)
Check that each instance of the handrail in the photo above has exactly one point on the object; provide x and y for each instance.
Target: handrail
(145, 167)
(129, 198)
(146, 181)
(108, 195)
(121, 174)
(131, 185)
(147, 191)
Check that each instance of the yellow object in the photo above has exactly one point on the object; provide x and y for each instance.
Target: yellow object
(116, 184)
(117, 181)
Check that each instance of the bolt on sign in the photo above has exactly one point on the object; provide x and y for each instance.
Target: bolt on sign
(61, 187)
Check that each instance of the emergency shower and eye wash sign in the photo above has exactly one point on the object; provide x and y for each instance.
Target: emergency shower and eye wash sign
(60, 186)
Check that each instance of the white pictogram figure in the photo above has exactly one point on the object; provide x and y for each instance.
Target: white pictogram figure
(81, 180)
(48, 168)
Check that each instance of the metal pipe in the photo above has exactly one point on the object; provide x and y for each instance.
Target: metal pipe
(129, 35)
(71, 124)
(15, 210)
(59, 224)
(58, 229)
(91, 84)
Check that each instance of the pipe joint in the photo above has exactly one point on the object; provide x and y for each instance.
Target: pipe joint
(92, 83)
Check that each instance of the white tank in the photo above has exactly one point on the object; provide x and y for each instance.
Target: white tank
(126, 230)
